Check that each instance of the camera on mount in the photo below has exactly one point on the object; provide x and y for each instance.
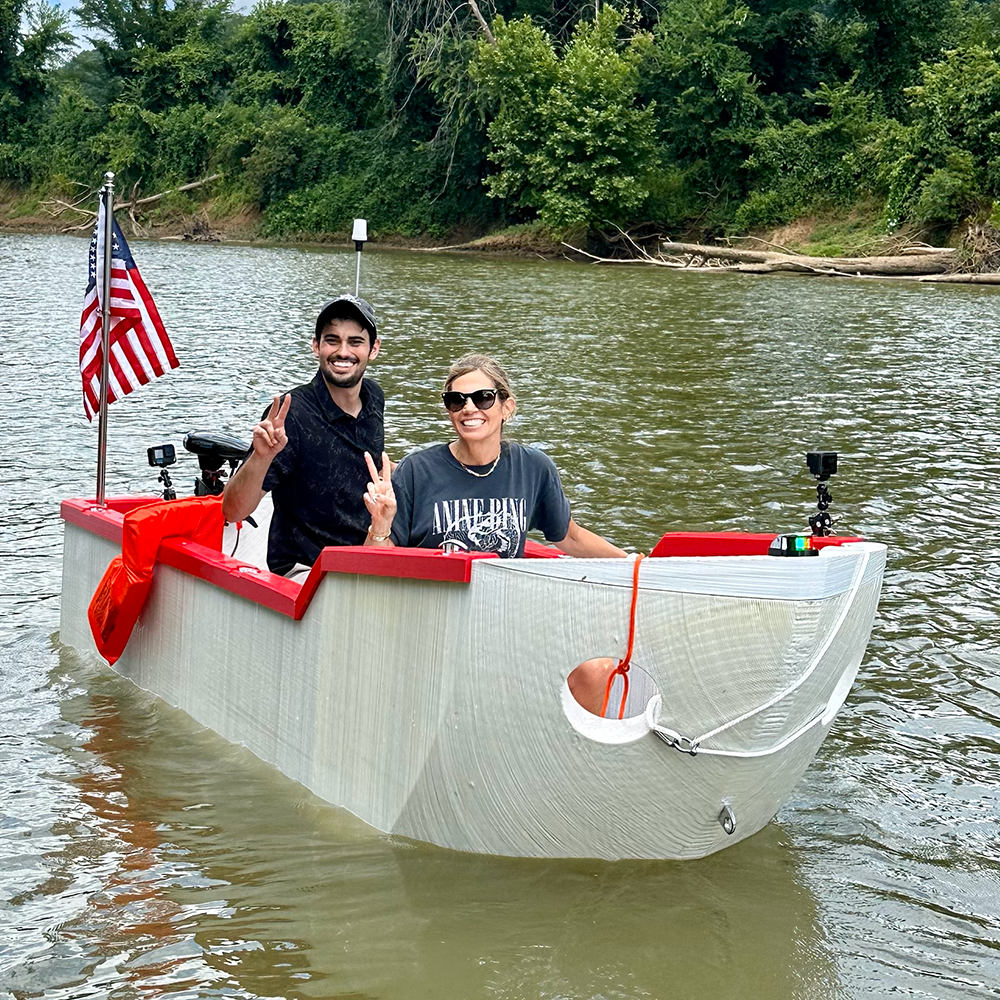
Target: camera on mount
(160, 456)
(822, 465)
(213, 451)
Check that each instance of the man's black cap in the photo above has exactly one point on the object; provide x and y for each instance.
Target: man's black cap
(347, 307)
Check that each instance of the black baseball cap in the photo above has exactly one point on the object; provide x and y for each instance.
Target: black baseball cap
(347, 307)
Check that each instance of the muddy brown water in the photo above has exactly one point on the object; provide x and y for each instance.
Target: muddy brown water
(140, 854)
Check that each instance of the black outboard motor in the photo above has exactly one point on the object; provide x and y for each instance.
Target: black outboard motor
(213, 450)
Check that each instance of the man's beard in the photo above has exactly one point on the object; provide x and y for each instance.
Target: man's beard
(348, 380)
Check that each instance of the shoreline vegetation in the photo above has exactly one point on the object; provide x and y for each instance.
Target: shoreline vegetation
(755, 255)
(826, 137)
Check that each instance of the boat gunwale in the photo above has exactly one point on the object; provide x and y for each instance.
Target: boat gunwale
(291, 598)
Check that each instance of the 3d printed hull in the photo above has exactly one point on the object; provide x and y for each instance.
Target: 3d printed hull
(426, 693)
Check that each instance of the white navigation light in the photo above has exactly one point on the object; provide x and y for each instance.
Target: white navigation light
(360, 233)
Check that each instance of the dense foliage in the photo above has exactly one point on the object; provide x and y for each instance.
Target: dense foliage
(432, 117)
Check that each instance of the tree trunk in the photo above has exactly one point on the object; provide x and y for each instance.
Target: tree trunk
(920, 262)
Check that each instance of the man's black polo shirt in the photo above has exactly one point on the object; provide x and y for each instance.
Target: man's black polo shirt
(318, 479)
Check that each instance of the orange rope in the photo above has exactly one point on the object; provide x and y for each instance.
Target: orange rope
(624, 664)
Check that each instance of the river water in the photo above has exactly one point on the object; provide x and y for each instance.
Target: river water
(142, 855)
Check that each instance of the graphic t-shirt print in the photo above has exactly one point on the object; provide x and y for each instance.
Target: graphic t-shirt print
(494, 525)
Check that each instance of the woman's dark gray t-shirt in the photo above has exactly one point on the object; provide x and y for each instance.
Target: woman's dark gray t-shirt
(438, 501)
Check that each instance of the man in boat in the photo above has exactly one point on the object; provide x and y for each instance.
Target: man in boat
(309, 448)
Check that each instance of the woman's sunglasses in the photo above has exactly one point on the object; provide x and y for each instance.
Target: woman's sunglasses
(482, 399)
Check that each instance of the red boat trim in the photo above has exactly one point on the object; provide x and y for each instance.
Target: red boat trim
(268, 589)
(291, 599)
(727, 543)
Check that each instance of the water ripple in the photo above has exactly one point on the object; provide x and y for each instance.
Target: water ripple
(139, 852)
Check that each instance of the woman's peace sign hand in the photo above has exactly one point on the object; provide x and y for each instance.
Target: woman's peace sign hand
(379, 497)
(269, 435)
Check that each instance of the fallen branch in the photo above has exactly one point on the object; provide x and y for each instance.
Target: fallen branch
(64, 207)
(963, 279)
(56, 206)
(453, 246)
(937, 261)
(184, 187)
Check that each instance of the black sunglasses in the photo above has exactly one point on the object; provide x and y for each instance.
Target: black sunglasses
(482, 399)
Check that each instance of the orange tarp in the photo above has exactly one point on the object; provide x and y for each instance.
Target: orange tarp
(121, 594)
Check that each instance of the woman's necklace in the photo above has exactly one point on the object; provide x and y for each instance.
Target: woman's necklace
(481, 475)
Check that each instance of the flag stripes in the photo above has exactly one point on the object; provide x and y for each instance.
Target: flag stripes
(140, 349)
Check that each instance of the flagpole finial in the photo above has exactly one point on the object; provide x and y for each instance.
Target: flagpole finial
(109, 179)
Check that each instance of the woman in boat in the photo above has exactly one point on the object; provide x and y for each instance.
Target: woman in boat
(478, 492)
(483, 493)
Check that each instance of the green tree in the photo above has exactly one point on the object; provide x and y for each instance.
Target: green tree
(27, 60)
(568, 134)
(707, 100)
(951, 149)
(892, 39)
(127, 30)
(311, 55)
(784, 42)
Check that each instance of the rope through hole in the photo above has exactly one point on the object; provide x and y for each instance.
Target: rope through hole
(623, 664)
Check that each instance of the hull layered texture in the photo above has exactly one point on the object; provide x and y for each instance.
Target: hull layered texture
(439, 710)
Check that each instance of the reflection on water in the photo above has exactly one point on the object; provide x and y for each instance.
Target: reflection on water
(190, 889)
(141, 853)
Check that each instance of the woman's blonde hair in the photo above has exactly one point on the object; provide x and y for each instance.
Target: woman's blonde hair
(490, 367)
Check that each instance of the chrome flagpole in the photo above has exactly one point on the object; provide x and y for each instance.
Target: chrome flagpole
(105, 233)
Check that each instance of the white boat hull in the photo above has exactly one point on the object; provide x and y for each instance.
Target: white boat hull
(435, 710)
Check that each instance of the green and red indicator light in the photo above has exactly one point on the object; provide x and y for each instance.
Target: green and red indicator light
(793, 545)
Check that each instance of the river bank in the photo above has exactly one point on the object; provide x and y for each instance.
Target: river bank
(831, 243)
(179, 216)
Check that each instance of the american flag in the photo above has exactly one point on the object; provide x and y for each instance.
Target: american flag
(140, 348)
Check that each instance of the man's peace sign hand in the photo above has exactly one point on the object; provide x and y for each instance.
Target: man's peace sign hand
(379, 497)
(269, 435)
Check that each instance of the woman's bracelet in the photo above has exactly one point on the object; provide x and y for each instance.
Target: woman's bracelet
(378, 538)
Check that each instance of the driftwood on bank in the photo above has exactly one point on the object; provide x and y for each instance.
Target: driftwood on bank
(912, 262)
(924, 261)
(917, 262)
(55, 207)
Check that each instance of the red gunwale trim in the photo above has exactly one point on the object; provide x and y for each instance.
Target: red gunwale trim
(535, 550)
(291, 599)
(268, 589)
(727, 543)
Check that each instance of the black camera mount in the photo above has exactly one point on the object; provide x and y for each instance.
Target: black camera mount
(822, 465)
(160, 456)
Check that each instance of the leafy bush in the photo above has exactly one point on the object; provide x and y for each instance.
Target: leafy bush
(764, 210)
(183, 143)
(801, 165)
(64, 142)
(127, 144)
(947, 192)
(568, 135)
(15, 165)
(933, 165)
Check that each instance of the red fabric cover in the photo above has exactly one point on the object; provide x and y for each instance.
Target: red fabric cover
(121, 594)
